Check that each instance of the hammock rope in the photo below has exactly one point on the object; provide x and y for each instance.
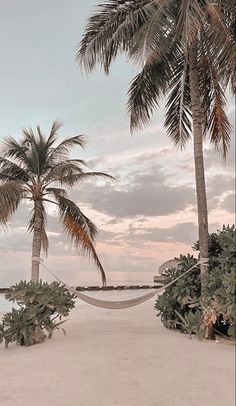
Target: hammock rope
(119, 304)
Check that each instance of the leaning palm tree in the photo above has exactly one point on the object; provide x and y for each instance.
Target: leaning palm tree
(186, 51)
(36, 169)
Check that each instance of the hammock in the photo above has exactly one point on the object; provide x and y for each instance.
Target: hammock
(119, 304)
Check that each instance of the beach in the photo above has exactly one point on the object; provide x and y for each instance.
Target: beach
(118, 357)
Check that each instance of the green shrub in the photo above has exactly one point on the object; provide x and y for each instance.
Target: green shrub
(40, 309)
(183, 295)
(180, 306)
(220, 281)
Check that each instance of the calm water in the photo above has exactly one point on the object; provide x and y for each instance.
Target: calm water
(6, 306)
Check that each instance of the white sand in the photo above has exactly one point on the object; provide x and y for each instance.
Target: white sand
(122, 358)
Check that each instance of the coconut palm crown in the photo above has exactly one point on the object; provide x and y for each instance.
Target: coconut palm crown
(184, 50)
(38, 169)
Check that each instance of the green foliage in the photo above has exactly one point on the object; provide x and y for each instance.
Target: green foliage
(182, 296)
(191, 323)
(220, 280)
(41, 307)
(180, 306)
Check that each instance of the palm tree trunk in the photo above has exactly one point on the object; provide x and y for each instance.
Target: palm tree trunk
(198, 156)
(199, 170)
(37, 238)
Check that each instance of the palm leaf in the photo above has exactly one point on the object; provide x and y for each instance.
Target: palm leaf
(80, 229)
(73, 179)
(61, 151)
(111, 29)
(153, 39)
(57, 192)
(18, 151)
(65, 168)
(213, 101)
(11, 171)
(53, 134)
(189, 16)
(11, 193)
(178, 106)
(220, 34)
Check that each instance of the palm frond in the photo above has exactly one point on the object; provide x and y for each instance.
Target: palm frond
(53, 134)
(11, 193)
(219, 125)
(73, 179)
(178, 106)
(189, 16)
(221, 36)
(39, 149)
(110, 29)
(61, 151)
(57, 192)
(153, 39)
(61, 169)
(213, 101)
(18, 151)
(80, 229)
(144, 92)
(9, 170)
(33, 149)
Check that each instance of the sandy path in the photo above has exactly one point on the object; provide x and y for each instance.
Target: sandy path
(123, 358)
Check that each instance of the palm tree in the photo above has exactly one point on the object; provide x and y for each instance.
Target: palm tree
(36, 169)
(186, 51)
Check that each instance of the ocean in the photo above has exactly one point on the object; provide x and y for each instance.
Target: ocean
(6, 306)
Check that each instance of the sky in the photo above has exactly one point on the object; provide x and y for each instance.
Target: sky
(149, 214)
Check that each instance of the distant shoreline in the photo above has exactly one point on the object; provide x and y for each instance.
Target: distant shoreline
(109, 287)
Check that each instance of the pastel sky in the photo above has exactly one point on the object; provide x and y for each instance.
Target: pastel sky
(149, 214)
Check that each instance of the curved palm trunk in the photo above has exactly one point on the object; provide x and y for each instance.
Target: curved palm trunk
(198, 156)
(37, 240)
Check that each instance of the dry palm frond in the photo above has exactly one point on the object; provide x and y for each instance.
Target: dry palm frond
(80, 229)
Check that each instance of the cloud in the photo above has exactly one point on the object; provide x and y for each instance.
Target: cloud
(214, 187)
(185, 233)
(228, 203)
(143, 194)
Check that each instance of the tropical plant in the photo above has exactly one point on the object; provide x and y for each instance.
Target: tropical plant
(186, 50)
(182, 296)
(181, 305)
(40, 309)
(220, 282)
(190, 323)
(35, 169)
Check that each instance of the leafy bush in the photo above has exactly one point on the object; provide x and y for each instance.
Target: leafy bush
(40, 309)
(180, 306)
(181, 297)
(220, 282)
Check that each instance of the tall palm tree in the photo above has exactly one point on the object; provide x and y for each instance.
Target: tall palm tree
(35, 169)
(186, 51)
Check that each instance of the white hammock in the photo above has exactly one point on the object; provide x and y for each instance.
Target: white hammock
(120, 304)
